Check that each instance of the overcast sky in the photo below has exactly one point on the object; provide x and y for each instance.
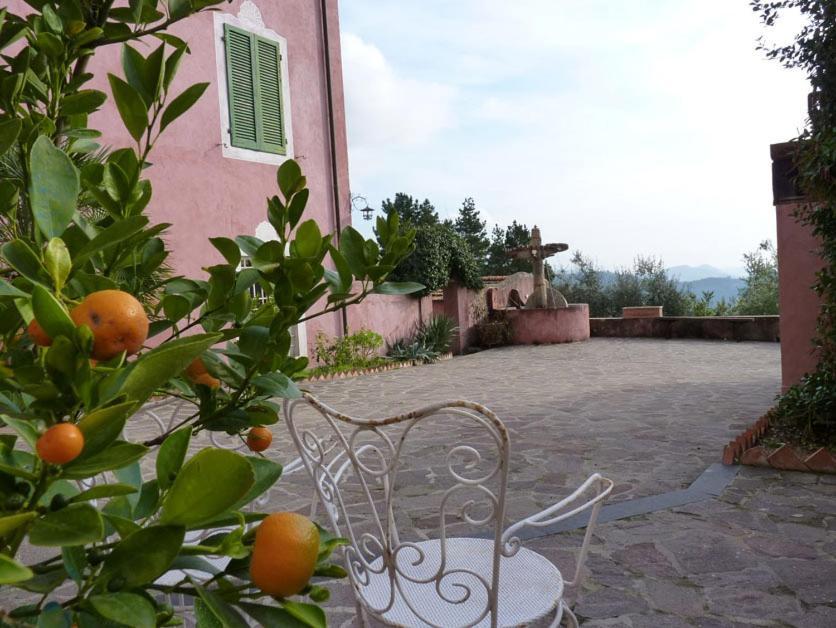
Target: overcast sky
(621, 127)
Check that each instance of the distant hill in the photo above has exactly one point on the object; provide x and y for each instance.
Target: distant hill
(703, 271)
(723, 287)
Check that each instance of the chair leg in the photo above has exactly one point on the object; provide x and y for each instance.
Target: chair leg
(571, 620)
(358, 608)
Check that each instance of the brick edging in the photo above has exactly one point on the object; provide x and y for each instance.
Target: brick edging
(745, 450)
(371, 371)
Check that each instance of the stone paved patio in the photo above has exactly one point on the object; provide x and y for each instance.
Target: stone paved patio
(653, 415)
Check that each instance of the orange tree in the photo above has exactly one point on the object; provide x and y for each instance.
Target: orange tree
(66, 279)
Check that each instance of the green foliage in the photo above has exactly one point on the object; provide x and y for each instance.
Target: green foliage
(471, 227)
(427, 343)
(760, 294)
(813, 50)
(73, 223)
(437, 334)
(411, 211)
(440, 255)
(358, 350)
(646, 283)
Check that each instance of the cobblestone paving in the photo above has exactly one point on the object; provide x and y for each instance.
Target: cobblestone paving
(652, 415)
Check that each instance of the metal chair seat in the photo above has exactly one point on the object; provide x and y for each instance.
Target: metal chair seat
(529, 586)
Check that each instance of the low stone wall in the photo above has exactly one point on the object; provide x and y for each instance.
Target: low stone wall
(549, 326)
(764, 328)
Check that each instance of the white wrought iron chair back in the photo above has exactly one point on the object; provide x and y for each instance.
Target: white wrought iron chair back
(440, 582)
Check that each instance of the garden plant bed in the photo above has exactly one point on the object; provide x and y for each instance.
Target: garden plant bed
(342, 374)
(763, 445)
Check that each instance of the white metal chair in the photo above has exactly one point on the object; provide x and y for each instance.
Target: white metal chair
(448, 581)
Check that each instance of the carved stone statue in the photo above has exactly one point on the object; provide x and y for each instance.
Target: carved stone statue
(544, 294)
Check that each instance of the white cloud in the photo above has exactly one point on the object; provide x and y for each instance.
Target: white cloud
(620, 128)
(385, 109)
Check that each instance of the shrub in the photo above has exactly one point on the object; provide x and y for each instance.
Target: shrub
(357, 350)
(437, 334)
(495, 331)
(412, 350)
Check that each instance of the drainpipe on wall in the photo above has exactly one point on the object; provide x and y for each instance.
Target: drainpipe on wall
(329, 98)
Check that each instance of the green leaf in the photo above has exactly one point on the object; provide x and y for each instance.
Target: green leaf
(24, 260)
(12, 522)
(50, 313)
(131, 106)
(159, 365)
(117, 455)
(8, 290)
(176, 307)
(229, 249)
(104, 490)
(398, 287)
(182, 104)
(208, 485)
(53, 616)
(77, 524)
(271, 616)
(204, 616)
(103, 426)
(278, 385)
(266, 474)
(26, 429)
(85, 101)
(308, 239)
(171, 455)
(288, 177)
(9, 130)
(129, 609)
(57, 262)
(12, 571)
(75, 560)
(309, 614)
(179, 8)
(352, 245)
(124, 527)
(53, 187)
(118, 232)
(144, 556)
(228, 616)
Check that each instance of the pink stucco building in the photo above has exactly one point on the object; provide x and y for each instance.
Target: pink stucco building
(209, 181)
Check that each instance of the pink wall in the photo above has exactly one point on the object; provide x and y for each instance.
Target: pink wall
(204, 194)
(549, 326)
(799, 305)
(393, 317)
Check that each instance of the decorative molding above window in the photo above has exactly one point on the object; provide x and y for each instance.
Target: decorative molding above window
(260, 127)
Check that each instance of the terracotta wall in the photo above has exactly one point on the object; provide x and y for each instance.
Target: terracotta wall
(799, 305)
(204, 194)
(550, 326)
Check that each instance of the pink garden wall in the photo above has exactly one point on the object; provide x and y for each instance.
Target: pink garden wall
(204, 194)
(797, 266)
(393, 317)
(798, 262)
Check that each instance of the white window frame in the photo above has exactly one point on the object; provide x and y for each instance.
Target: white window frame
(249, 19)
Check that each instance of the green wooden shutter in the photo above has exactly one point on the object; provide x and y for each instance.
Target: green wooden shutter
(241, 87)
(271, 113)
(254, 84)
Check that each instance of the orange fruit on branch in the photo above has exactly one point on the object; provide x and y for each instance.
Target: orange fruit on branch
(118, 322)
(259, 438)
(38, 335)
(284, 554)
(60, 444)
(196, 372)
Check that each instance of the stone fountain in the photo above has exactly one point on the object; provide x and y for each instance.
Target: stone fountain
(546, 316)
